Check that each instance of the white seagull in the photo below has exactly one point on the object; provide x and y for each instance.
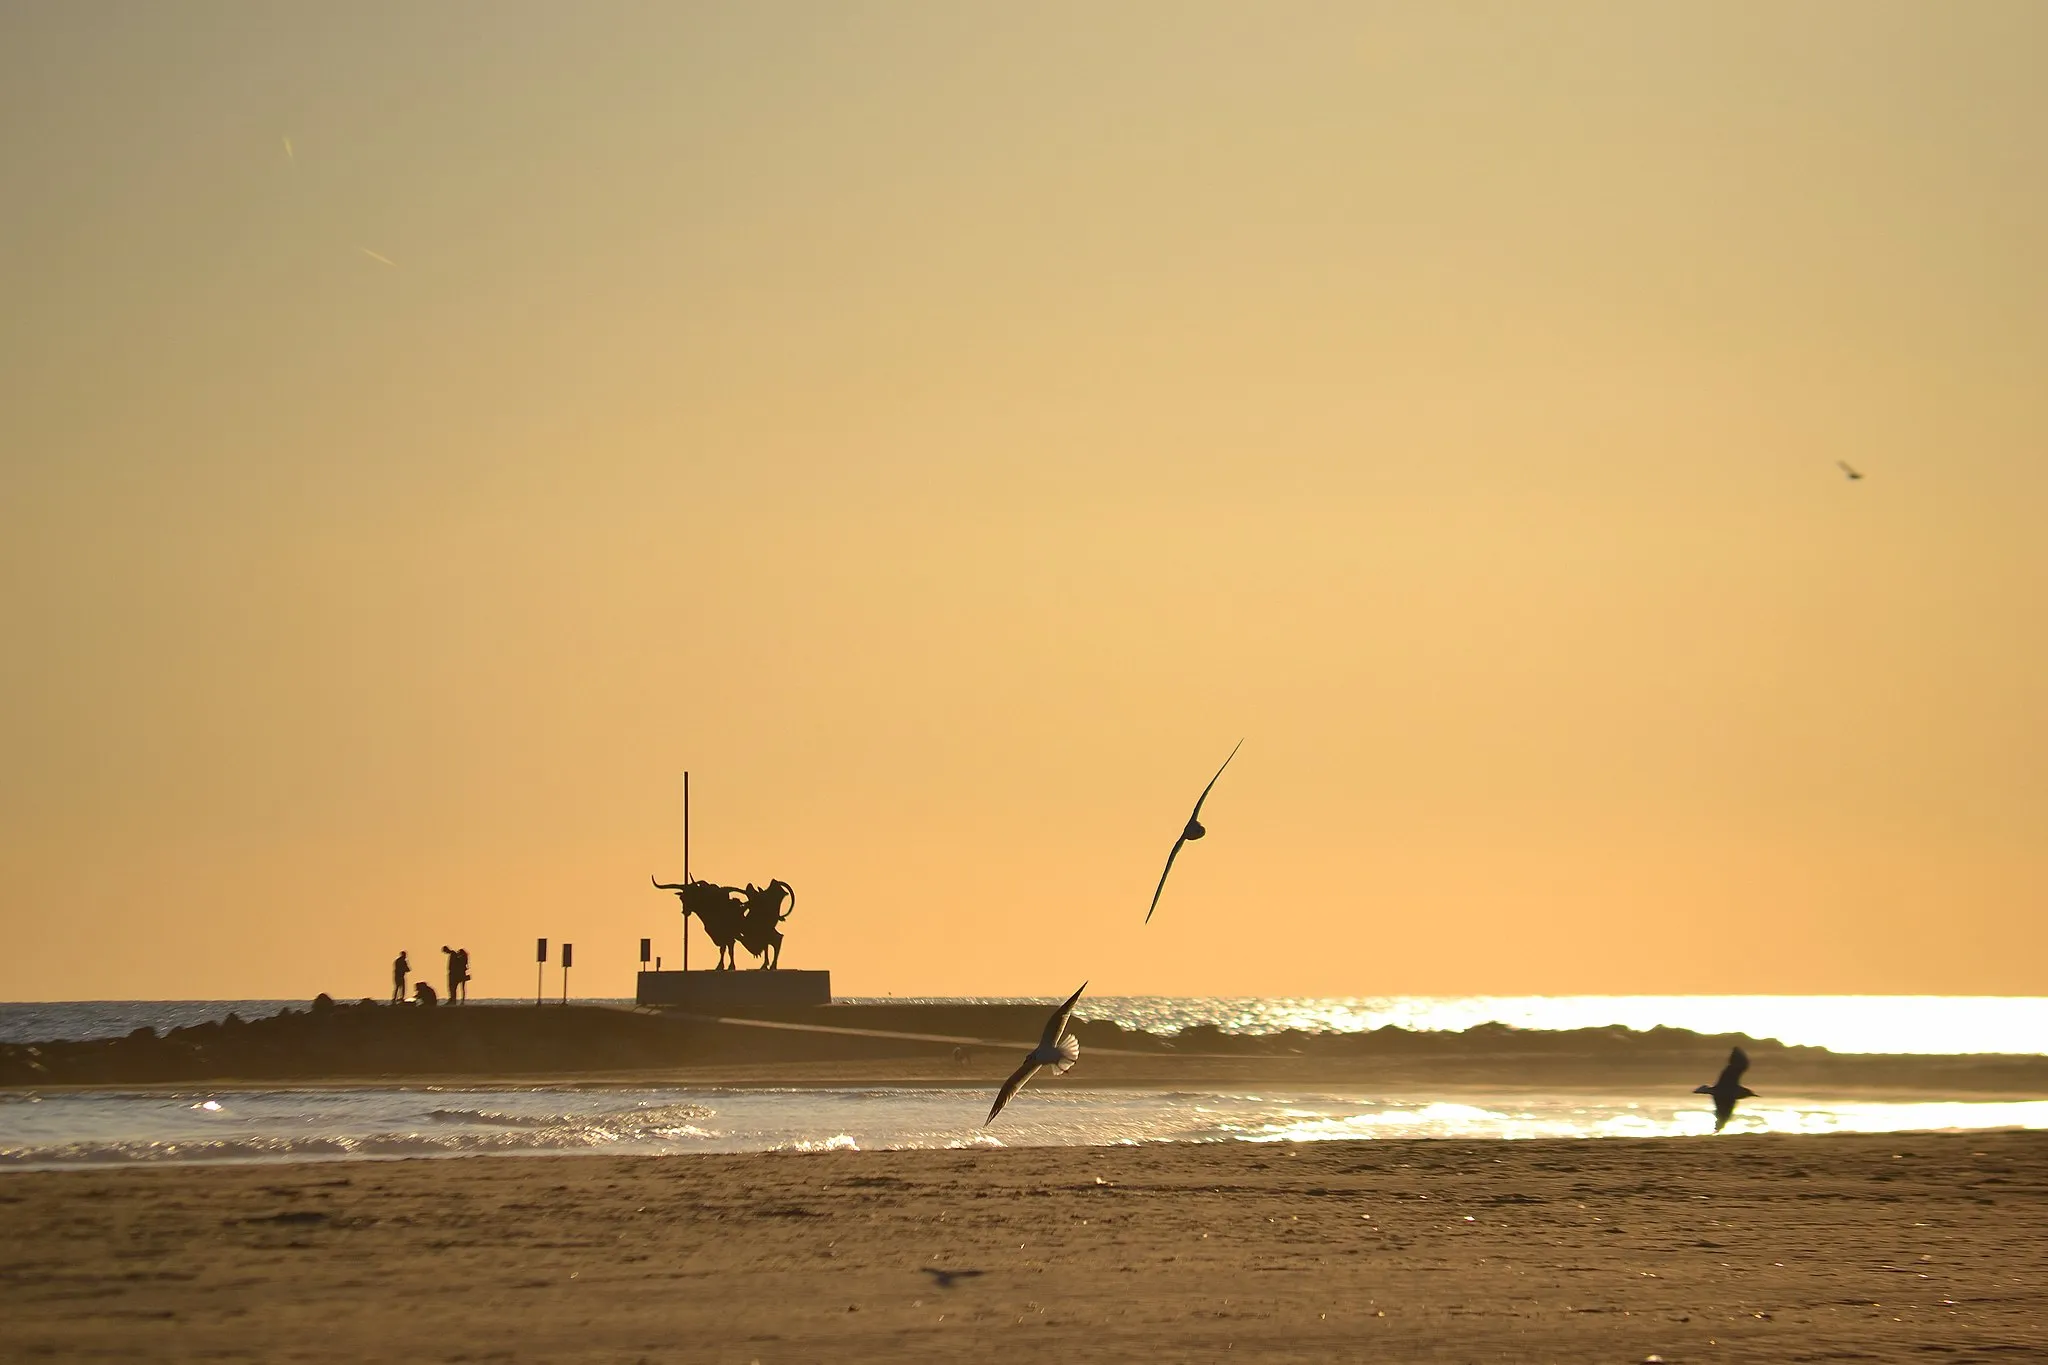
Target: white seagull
(1054, 1049)
(1193, 831)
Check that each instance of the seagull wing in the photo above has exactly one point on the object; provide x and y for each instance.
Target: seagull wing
(1212, 782)
(1162, 876)
(1010, 1087)
(1184, 838)
(1057, 1025)
(1731, 1074)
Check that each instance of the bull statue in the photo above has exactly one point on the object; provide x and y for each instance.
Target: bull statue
(760, 928)
(735, 919)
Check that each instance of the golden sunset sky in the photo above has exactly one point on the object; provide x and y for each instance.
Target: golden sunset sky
(945, 429)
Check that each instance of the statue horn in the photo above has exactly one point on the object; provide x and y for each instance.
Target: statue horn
(667, 886)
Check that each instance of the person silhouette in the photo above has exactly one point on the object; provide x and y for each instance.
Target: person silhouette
(423, 994)
(462, 966)
(400, 969)
(455, 965)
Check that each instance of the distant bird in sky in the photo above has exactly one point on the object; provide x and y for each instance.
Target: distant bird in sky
(1054, 1049)
(288, 156)
(1193, 831)
(944, 1278)
(1853, 474)
(377, 256)
(1728, 1089)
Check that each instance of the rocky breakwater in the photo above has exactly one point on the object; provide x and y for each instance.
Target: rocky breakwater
(327, 1040)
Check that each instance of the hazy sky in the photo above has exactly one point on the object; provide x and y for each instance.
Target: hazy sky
(947, 428)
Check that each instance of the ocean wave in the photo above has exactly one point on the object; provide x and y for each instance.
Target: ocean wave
(665, 1120)
(491, 1118)
(841, 1142)
(565, 1138)
(83, 1130)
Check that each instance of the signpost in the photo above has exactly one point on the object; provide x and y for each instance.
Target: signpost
(568, 961)
(540, 955)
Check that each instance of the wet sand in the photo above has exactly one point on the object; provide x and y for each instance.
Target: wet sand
(1741, 1248)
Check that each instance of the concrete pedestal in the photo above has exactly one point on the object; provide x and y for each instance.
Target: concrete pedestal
(734, 992)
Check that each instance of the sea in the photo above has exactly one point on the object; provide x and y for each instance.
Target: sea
(284, 1123)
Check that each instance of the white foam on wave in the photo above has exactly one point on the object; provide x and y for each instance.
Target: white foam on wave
(90, 1129)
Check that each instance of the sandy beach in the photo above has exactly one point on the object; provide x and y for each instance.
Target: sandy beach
(1765, 1248)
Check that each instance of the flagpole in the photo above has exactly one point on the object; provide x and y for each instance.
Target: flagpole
(686, 868)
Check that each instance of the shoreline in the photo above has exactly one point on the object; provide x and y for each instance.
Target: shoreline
(1734, 1248)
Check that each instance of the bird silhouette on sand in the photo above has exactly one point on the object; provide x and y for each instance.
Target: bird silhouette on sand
(1853, 474)
(1054, 1049)
(1193, 831)
(1728, 1089)
(943, 1279)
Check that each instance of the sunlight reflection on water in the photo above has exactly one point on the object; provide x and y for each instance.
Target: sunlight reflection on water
(1451, 1120)
(1840, 1023)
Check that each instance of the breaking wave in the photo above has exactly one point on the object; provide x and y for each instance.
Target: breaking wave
(83, 1128)
(663, 1118)
(384, 1145)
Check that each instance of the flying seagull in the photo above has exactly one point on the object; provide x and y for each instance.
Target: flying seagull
(944, 1278)
(1728, 1089)
(376, 256)
(1054, 1050)
(1846, 469)
(1193, 831)
(289, 158)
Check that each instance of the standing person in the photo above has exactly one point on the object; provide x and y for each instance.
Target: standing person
(400, 970)
(455, 972)
(462, 962)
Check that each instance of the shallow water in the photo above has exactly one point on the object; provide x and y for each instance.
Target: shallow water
(321, 1123)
